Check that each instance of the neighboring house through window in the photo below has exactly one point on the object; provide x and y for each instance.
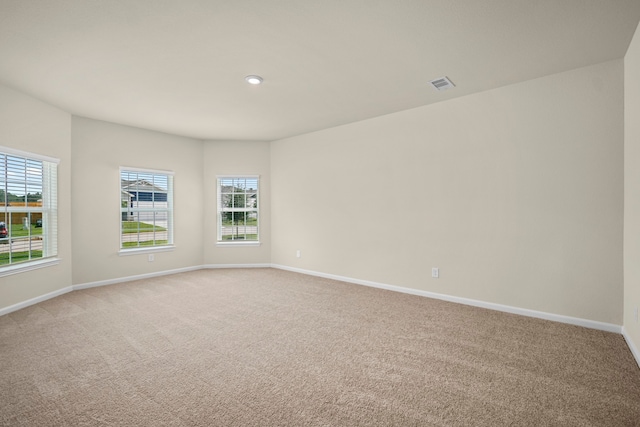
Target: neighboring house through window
(146, 209)
(28, 208)
(238, 213)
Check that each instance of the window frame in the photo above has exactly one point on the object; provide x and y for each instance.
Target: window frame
(169, 246)
(48, 211)
(220, 211)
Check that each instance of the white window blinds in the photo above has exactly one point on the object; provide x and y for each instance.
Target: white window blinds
(146, 208)
(238, 209)
(28, 207)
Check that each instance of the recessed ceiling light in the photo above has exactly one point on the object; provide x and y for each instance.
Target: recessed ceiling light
(253, 80)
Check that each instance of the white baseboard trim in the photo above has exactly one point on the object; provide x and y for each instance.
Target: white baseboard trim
(32, 301)
(36, 300)
(592, 324)
(214, 266)
(632, 347)
(136, 277)
(608, 327)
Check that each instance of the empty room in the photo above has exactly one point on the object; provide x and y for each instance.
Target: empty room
(319, 213)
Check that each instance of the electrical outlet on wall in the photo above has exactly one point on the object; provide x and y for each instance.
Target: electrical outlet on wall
(151, 258)
(435, 272)
(298, 253)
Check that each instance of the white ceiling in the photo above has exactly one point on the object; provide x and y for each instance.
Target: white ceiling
(178, 66)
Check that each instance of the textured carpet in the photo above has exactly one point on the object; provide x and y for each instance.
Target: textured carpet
(264, 347)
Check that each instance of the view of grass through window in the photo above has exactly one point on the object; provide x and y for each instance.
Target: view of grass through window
(238, 209)
(28, 204)
(134, 227)
(146, 209)
(21, 244)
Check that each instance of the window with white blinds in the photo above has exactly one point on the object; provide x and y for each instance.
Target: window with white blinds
(28, 207)
(238, 213)
(146, 209)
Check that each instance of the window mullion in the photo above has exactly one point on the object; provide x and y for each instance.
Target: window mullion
(236, 214)
(149, 212)
(29, 204)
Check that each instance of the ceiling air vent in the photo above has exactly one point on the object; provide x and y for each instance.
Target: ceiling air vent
(443, 83)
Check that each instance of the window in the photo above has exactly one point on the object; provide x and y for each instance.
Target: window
(238, 219)
(29, 207)
(146, 209)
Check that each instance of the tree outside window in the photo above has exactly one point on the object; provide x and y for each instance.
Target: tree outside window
(238, 208)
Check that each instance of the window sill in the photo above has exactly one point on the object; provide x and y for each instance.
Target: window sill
(238, 243)
(28, 266)
(150, 250)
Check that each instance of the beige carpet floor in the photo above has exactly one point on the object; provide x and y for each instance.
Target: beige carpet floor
(264, 347)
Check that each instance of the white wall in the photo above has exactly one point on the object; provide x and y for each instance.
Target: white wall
(99, 149)
(236, 158)
(632, 191)
(516, 194)
(30, 125)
